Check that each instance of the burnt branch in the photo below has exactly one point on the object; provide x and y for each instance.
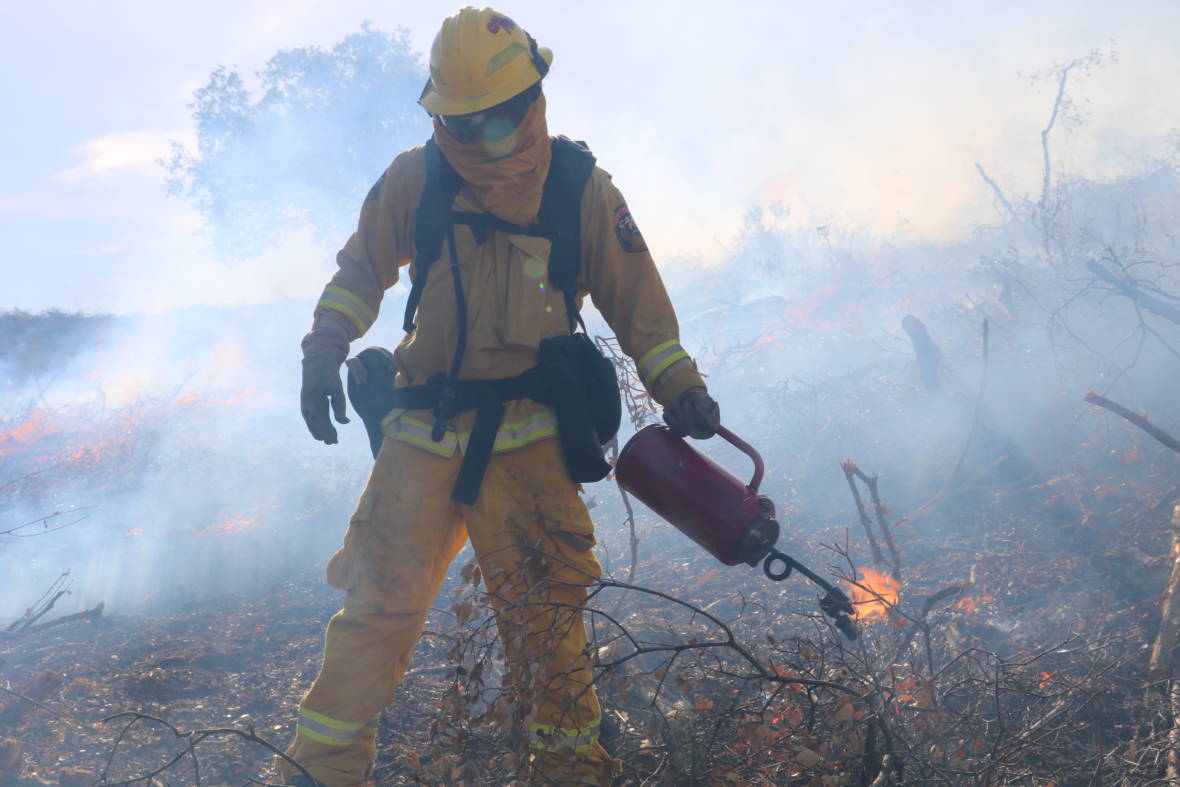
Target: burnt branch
(1138, 419)
(880, 511)
(48, 524)
(850, 471)
(1136, 290)
(86, 614)
(59, 588)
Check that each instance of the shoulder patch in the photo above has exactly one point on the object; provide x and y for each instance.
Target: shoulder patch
(627, 231)
(375, 190)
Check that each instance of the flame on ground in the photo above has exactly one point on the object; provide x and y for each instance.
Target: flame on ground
(36, 426)
(227, 528)
(970, 604)
(873, 595)
(232, 400)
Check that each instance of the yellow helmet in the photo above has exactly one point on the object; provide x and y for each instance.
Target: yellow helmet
(481, 58)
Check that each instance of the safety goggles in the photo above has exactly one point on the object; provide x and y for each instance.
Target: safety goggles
(494, 124)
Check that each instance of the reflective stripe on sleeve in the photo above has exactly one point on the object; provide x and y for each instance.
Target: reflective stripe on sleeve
(349, 304)
(332, 732)
(658, 359)
(545, 737)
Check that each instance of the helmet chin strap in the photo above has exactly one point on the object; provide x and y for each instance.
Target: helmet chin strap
(538, 61)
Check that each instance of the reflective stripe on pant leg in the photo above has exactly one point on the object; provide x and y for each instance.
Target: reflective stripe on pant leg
(400, 542)
(544, 737)
(535, 539)
(333, 732)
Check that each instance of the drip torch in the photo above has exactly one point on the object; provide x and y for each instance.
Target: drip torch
(722, 513)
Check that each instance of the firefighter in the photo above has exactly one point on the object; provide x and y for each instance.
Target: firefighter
(486, 312)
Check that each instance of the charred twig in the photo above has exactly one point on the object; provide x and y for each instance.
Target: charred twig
(976, 417)
(40, 705)
(1161, 506)
(34, 618)
(999, 193)
(22, 531)
(1159, 666)
(879, 510)
(1173, 756)
(883, 775)
(193, 739)
(59, 588)
(1138, 419)
(1133, 288)
(978, 411)
(86, 614)
(923, 626)
(729, 641)
(850, 471)
(926, 352)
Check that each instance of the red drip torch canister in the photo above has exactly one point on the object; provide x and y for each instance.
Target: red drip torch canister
(722, 513)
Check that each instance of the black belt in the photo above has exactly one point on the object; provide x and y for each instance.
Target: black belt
(446, 399)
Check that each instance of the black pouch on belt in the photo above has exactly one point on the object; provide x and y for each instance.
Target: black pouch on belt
(585, 397)
(374, 398)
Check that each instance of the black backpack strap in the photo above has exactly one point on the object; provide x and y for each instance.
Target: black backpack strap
(430, 222)
(570, 168)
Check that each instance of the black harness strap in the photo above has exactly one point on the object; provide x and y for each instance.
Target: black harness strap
(430, 223)
(559, 221)
(487, 398)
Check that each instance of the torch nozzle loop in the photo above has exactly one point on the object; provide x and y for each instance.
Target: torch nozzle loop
(835, 604)
(776, 556)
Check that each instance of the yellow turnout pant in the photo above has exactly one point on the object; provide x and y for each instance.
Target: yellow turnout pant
(532, 536)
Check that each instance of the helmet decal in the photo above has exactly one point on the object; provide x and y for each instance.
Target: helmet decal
(498, 23)
(505, 56)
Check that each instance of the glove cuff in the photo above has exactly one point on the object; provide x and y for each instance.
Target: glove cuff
(326, 337)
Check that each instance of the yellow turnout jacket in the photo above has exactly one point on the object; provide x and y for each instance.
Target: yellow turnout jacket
(511, 304)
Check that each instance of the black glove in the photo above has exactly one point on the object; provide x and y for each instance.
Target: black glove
(693, 414)
(324, 351)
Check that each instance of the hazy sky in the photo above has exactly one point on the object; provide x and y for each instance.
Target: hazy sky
(863, 114)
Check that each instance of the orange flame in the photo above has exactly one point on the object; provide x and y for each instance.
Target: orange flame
(32, 430)
(227, 528)
(969, 604)
(873, 595)
(236, 398)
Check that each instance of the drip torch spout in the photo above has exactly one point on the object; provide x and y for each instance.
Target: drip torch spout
(835, 604)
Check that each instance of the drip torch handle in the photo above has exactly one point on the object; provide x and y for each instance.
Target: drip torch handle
(748, 450)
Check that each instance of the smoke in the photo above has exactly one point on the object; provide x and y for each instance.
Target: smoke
(800, 331)
(175, 434)
(175, 443)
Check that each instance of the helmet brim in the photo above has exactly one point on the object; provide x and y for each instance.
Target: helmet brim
(437, 104)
